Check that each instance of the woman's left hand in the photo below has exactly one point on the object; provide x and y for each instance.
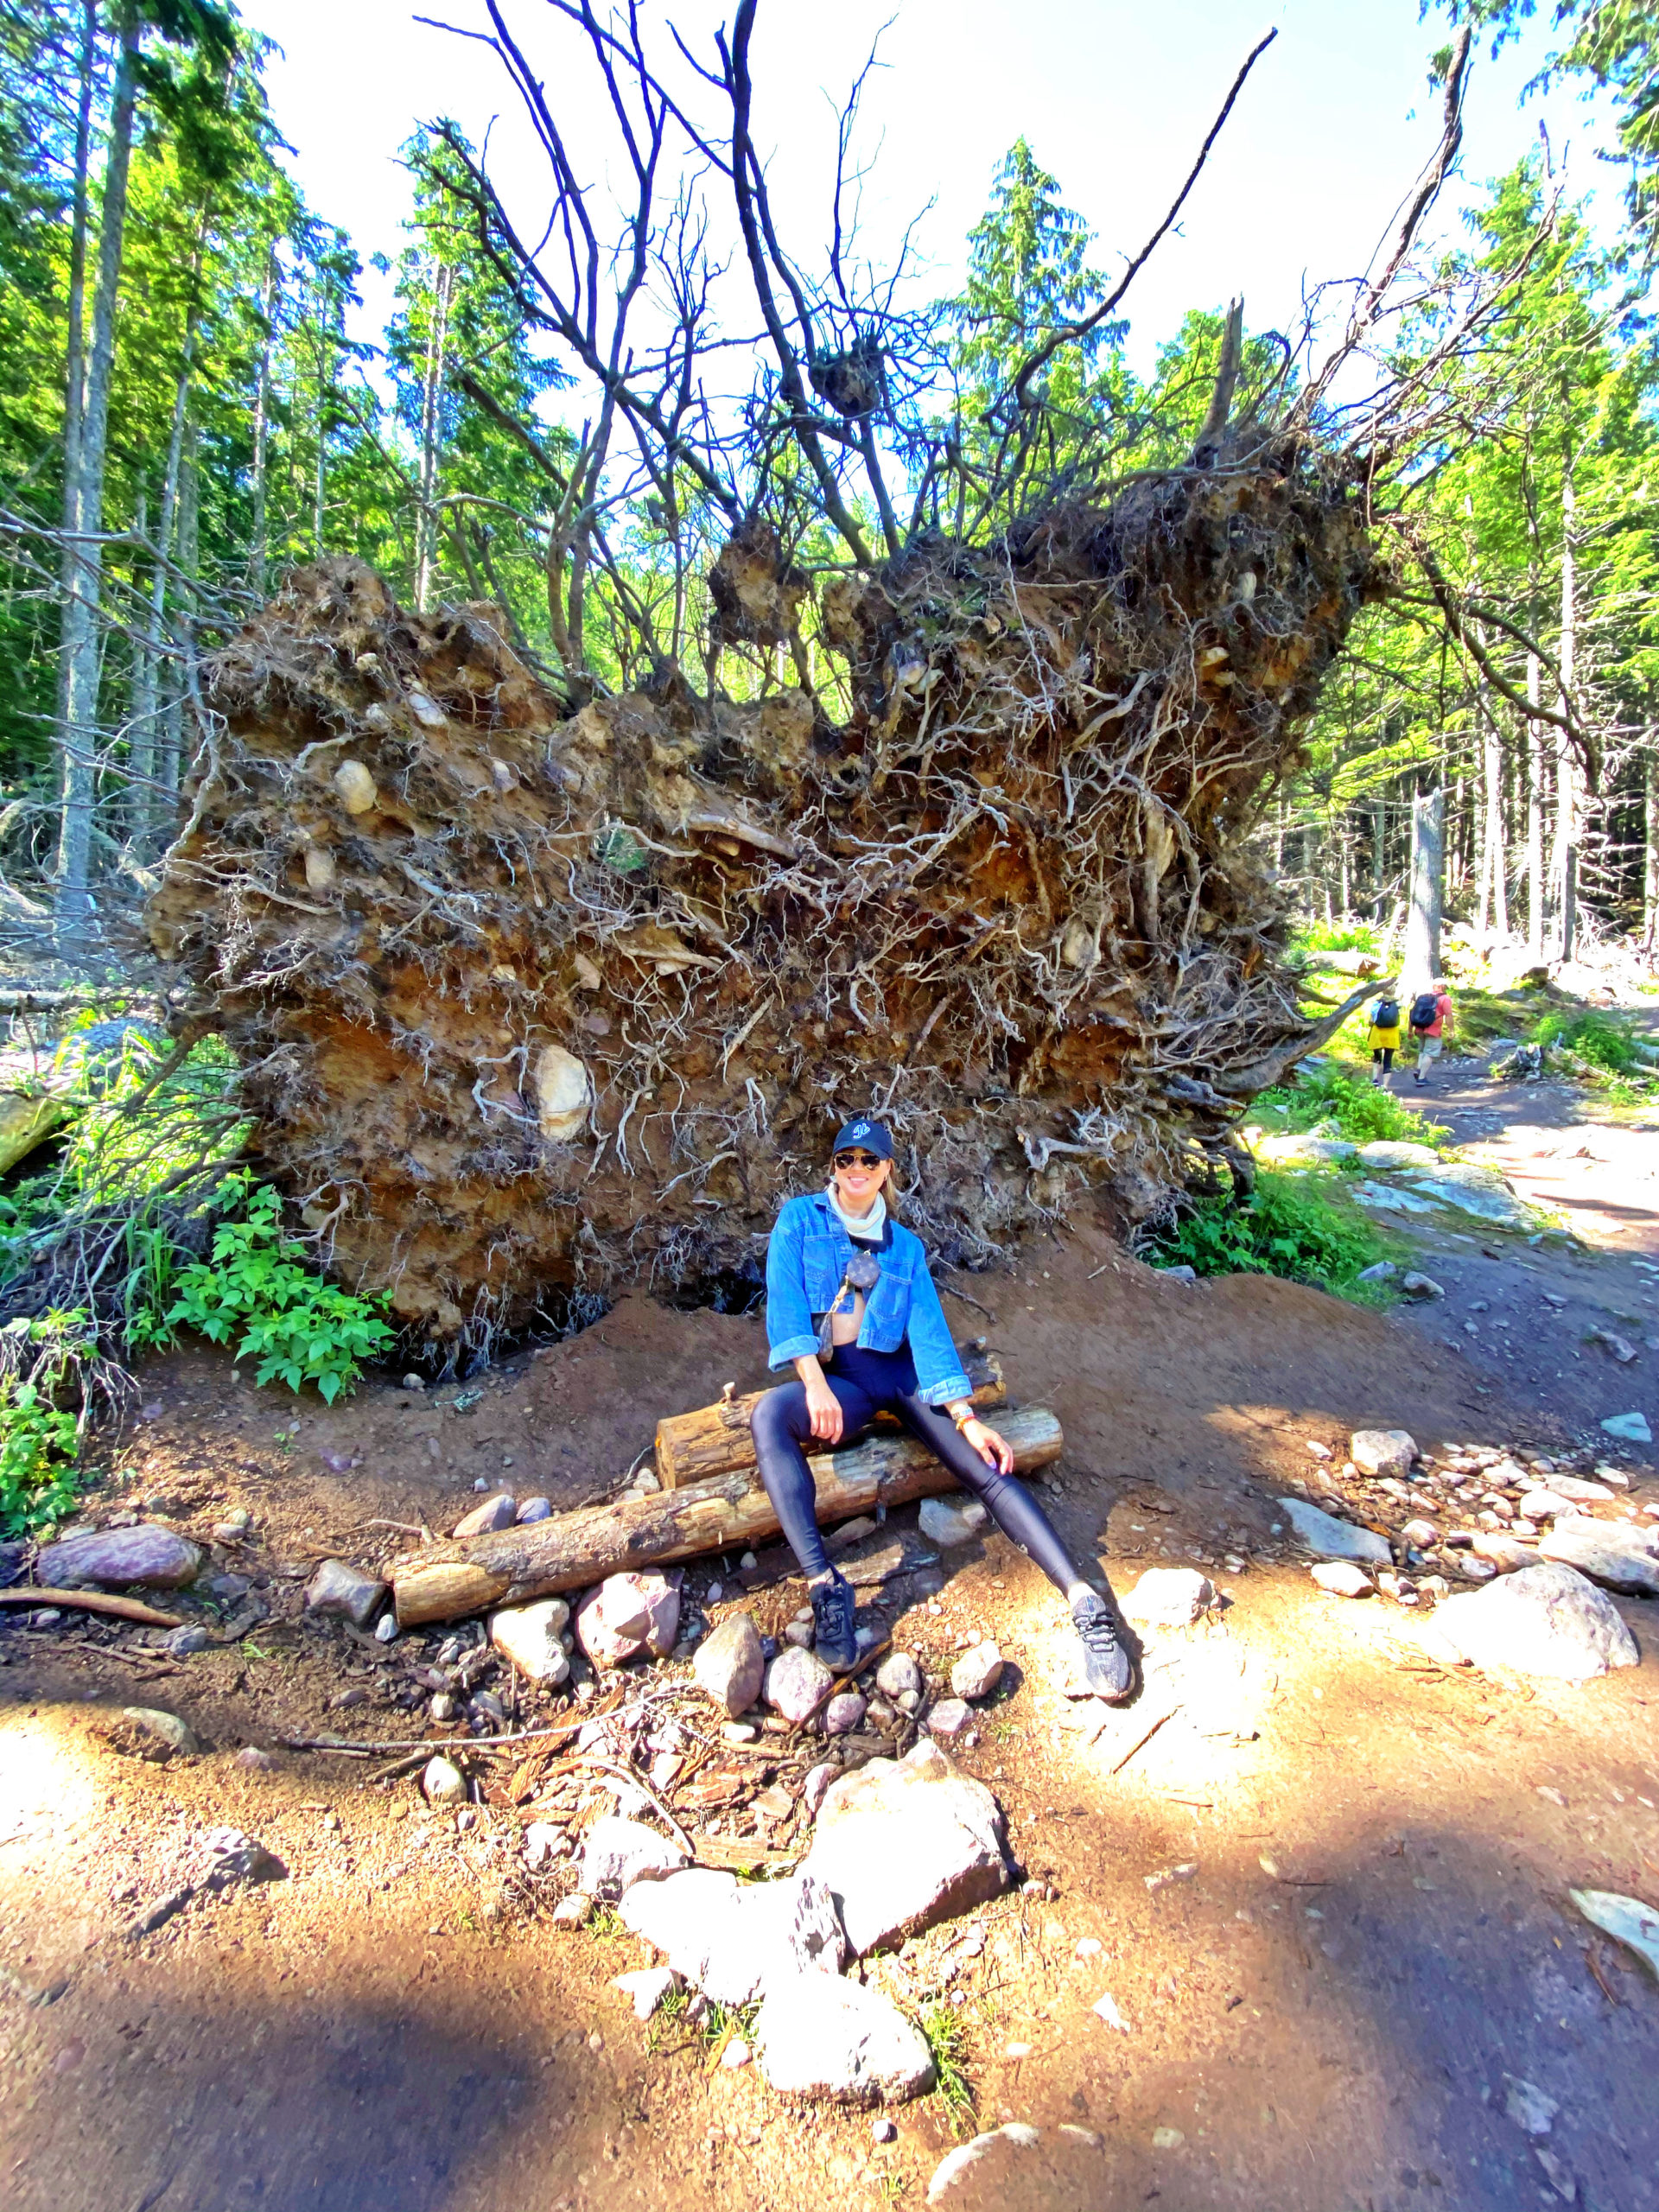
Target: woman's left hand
(995, 1451)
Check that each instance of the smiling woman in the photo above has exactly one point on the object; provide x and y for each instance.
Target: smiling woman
(851, 1306)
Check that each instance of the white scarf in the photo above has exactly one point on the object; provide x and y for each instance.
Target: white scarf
(866, 1228)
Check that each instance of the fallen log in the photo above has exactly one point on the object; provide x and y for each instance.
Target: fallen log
(511, 1565)
(715, 1440)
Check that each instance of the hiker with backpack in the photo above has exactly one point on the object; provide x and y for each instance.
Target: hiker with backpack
(1384, 1040)
(1431, 1011)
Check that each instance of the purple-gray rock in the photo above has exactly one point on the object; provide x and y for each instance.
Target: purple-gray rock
(729, 1665)
(121, 1557)
(497, 1512)
(535, 1509)
(342, 1592)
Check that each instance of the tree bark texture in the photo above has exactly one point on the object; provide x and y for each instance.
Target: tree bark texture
(512, 1566)
(80, 641)
(1422, 954)
(531, 1001)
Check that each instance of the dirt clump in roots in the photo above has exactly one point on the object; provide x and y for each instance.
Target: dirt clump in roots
(531, 1000)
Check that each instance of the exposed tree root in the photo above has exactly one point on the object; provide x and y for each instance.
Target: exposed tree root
(534, 1002)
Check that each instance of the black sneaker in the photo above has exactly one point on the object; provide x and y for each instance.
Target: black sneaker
(832, 1619)
(1106, 1667)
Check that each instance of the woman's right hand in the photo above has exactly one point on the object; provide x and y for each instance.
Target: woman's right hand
(824, 1409)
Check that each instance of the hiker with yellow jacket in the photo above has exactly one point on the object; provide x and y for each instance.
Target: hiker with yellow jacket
(1384, 1040)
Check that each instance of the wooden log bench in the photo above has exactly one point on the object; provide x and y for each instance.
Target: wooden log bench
(716, 1440)
(723, 1513)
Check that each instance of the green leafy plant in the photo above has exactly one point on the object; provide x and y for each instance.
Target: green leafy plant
(39, 1436)
(257, 1282)
(1361, 1113)
(1291, 1225)
(1334, 936)
(1606, 1044)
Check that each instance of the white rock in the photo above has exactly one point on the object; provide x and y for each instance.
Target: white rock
(345, 1591)
(738, 2052)
(800, 1634)
(1610, 1552)
(564, 1095)
(904, 1844)
(1342, 1578)
(949, 1718)
(897, 1673)
(628, 1617)
(1386, 1153)
(574, 1912)
(542, 1841)
(1382, 1450)
(647, 1988)
(1420, 1286)
(977, 1673)
(956, 2164)
(1543, 1504)
(1546, 1620)
(1169, 1596)
(1633, 1427)
(442, 1783)
(619, 1852)
(1527, 2106)
(730, 1666)
(1570, 1486)
(734, 1941)
(1421, 1533)
(818, 1779)
(795, 1682)
(530, 1636)
(1329, 1538)
(947, 1525)
(821, 2036)
(356, 787)
(166, 1727)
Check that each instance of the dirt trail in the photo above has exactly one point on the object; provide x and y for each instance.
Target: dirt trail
(382, 2026)
(1523, 1317)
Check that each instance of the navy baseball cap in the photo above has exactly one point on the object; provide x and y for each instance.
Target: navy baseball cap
(869, 1134)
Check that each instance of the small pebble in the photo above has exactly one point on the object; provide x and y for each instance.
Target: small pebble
(385, 1628)
(414, 1382)
(252, 1760)
(737, 2053)
(882, 2129)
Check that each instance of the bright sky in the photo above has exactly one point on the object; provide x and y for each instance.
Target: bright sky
(1115, 97)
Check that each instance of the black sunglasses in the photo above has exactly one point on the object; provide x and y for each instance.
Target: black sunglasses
(857, 1159)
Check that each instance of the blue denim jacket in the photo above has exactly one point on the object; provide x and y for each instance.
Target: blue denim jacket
(806, 1256)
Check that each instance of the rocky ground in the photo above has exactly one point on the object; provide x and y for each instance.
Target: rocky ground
(1293, 1927)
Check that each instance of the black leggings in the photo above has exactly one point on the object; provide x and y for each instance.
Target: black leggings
(869, 1382)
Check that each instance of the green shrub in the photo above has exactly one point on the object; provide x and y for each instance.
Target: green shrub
(39, 1437)
(1363, 1114)
(300, 1328)
(1290, 1226)
(1606, 1044)
(1334, 936)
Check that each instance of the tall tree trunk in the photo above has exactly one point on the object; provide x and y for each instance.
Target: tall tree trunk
(147, 807)
(426, 524)
(1379, 889)
(184, 626)
(1422, 957)
(1564, 859)
(1651, 854)
(74, 381)
(1534, 815)
(78, 729)
(262, 431)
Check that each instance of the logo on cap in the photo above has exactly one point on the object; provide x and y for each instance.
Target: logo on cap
(859, 1129)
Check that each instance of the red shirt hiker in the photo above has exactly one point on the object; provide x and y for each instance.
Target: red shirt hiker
(1430, 1035)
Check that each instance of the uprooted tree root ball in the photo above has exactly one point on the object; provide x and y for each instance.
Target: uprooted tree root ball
(531, 1000)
